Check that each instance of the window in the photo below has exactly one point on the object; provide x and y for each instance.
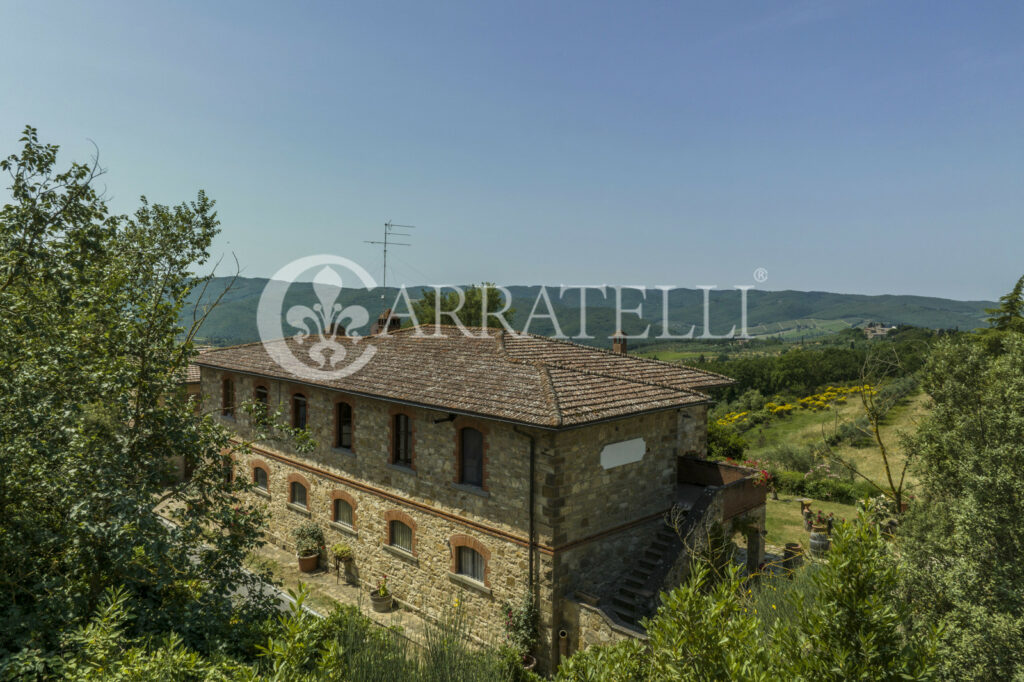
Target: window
(470, 563)
(259, 477)
(471, 457)
(262, 396)
(400, 535)
(402, 441)
(227, 398)
(299, 411)
(343, 438)
(343, 512)
(297, 494)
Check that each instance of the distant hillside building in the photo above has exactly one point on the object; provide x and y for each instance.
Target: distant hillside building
(491, 466)
(875, 329)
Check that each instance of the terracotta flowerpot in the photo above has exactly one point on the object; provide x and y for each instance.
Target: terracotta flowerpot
(529, 662)
(308, 564)
(381, 604)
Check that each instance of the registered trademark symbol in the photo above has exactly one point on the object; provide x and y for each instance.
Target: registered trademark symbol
(760, 275)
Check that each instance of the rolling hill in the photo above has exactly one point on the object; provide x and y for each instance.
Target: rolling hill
(790, 314)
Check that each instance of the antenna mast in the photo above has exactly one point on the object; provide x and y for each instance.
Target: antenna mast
(389, 232)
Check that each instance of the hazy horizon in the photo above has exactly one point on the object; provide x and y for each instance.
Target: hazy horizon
(862, 147)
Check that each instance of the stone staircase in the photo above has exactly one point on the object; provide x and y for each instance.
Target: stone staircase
(636, 595)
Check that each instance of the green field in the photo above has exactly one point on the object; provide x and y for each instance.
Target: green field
(807, 428)
(784, 523)
(797, 330)
(804, 428)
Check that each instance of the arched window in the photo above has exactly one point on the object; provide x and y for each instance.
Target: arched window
(343, 512)
(343, 437)
(227, 398)
(259, 478)
(297, 494)
(400, 535)
(299, 411)
(262, 397)
(401, 441)
(470, 563)
(471, 457)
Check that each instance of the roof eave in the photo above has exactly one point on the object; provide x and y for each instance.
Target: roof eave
(467, 413)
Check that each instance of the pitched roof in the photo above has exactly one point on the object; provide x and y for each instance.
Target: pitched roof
(192, 371)
(528, 379)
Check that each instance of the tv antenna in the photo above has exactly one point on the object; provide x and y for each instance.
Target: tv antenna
(389, 232)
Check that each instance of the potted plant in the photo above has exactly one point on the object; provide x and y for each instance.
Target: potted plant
(309, 543)
(521, 628)
(381, 596)
(342, 555)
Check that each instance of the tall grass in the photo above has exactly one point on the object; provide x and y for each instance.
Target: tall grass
(346, 645)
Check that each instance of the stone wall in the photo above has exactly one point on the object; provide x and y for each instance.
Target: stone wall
(589, 521)
(443, 513)
(601, 518)
(593, 627)
(610, 514)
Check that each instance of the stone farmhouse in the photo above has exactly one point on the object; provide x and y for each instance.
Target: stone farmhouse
(490, 466)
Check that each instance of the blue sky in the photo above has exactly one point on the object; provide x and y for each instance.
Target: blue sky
(868, 147)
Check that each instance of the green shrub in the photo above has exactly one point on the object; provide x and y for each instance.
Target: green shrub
(724, 442)
(309, 539)
(789, 457)
(751, 400)
(833, 489)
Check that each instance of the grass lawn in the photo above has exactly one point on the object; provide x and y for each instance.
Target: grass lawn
(804, 428)
(784, 523)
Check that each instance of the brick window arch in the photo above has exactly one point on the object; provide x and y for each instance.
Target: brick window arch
(392, 517)
(298, 490)
(339, 498)
(260, 474)
(467, 553)
(471, 452)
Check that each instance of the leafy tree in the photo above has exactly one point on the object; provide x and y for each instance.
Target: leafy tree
(878, 394)
(854, 624)
(838, 620)
(1006, 319)
(471, 311)
(964, 537)
(724, 442)
(93, 421)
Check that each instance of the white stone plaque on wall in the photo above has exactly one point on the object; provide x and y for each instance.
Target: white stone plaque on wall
(623, 452)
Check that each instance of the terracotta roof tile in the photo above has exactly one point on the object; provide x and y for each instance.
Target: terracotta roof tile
(192, 371)
(528, 379)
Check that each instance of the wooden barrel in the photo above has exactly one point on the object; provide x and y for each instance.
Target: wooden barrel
(819, 543)
(792, 556)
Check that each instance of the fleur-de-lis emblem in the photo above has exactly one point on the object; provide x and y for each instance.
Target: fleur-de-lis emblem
(326, 315)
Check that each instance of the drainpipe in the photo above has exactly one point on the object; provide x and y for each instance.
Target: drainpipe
(533, 469)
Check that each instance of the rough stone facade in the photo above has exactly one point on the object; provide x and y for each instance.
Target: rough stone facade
(587, 521)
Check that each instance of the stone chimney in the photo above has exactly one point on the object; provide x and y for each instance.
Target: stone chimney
(619, 343)
(386, 323)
